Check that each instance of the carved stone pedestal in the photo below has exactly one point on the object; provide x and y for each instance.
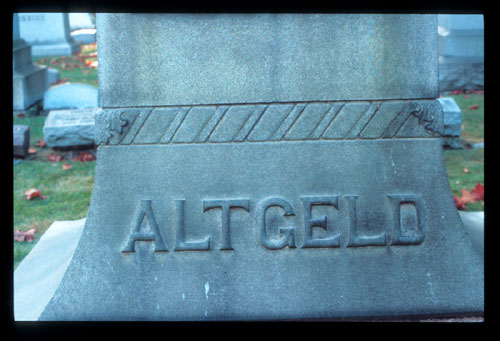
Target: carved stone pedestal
(317, 201)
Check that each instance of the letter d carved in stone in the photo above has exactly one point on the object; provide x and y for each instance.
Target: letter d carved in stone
(408, 218)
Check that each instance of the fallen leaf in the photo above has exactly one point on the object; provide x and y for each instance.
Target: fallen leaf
(478, 192)
(459, 203)
(467, 196)
(474, 107)
(22, 115)
(54, 158)
(19, 236)
(67, 66)
(83, 157)
(30, 234)
(32, 151)
(66, 166)
(41, 143)
(76, 65)
(466, 170)
(466, 96)
(22, 236)
(33, 193)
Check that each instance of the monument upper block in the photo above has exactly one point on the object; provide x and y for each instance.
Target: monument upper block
(190, 59)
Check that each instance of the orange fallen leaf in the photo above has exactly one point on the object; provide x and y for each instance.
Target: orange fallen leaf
(22, 115)
(474, 107)
(459, 203)
(41, 143)
(22, 236)
(30, 234)
(33, 193)
(66, 166)
(83, 157)
(54, 158)
(19, 236)
(467, 196)
(32, 151)
(478, 192)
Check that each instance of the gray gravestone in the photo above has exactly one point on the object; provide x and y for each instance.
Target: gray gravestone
(29, 81)
(78, 21)
(21, 140)
(277, 166)
(70, 96)
(70, 128)
(452, 121)
(48, 34)
(461, 52)
(53, 76)
(82, 27)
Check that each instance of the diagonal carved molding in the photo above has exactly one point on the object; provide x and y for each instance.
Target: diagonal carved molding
(336, 120)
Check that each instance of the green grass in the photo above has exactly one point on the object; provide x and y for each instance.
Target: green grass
(472, 120)
(83, 74)
(67, 192)
(472, 160)
(67, 196)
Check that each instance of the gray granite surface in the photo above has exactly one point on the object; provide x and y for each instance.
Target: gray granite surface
(245, 58)
(269, 167)
(70, 128)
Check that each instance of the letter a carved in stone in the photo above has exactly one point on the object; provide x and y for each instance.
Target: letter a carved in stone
(145, 211)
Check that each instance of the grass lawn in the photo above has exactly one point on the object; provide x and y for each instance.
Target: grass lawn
(76, 68)
(68, 192)
(465, 167)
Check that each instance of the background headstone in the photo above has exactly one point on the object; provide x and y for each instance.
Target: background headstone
(48, 34)
(78, 21)
(461, 52)
(452, 118)
(70, 96)
(83, 27)
(70, 128)
(53, 75)
(21, 135)
(29, 81)
(257, 167)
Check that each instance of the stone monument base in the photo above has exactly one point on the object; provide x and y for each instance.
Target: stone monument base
(224, 244)
(29, 84)
(56, 49)
(55, 249)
